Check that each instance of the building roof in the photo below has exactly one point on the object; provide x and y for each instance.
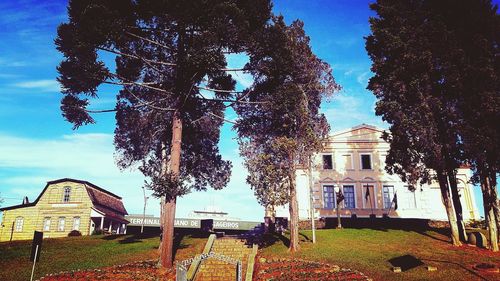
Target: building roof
(104, 199)
(99, 196)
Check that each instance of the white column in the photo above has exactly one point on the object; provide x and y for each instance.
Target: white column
(110, 227)
(124, 229)
(102, 223)
(118, 229)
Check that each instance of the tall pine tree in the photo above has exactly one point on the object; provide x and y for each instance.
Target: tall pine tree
(413, 65)
(166, 52)
(285, 126)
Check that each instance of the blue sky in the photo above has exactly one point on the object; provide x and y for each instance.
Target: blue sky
(38, 145)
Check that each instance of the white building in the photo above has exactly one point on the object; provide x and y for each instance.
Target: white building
(353, 160)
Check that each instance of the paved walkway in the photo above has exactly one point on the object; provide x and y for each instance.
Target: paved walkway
(212, 269)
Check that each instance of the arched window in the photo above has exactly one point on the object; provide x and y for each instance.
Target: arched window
(67, 194)
(19, 224)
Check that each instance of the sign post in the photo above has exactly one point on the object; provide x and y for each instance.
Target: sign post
(36, 248)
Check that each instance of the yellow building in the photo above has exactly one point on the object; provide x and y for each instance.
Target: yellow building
(65, 205)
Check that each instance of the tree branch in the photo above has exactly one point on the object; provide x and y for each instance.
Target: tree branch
(222, 118)
(135, 57)
(150, 41)
(218, 90)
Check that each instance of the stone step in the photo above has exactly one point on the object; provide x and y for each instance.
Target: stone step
(217, 270)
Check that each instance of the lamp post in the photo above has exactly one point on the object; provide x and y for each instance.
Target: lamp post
(337, 192)
(144, 210)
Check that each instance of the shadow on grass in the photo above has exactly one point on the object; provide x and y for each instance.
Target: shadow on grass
(420, 226)
(405, 262)
(180, 234)
(268, 240)
(306, 238)
(112, 237)
(460, 265)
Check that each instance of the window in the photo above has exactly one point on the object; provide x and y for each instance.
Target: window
(46, 224)
(388, 191)
(369, 196)
(329, 196)
(349, 201)
(366, 162)
(348, 161)
(19, 224)
(62, 221)
(67, 194)
(76, 223)
(327, 162)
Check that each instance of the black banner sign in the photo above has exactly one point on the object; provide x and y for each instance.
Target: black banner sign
(37, 241)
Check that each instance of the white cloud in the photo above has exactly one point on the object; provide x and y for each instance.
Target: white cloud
(26, 164)
(349, 109)
(363, 78)
(44, 85)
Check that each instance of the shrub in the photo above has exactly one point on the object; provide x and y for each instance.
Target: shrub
(74, 233)
(477, 224)
(97, 232)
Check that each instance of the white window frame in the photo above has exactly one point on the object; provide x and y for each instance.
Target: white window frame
(61, 224)
(361, 161)
(323, 163)
(76, 223)
(391, 195)
(354, 190)
(66, 188)
(19, 225)
(46, 224)
(334, 196)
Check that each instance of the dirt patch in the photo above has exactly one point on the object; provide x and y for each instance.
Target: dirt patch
(144, 270)
(295, 269)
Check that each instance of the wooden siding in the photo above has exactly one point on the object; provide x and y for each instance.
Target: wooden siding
(51, 206)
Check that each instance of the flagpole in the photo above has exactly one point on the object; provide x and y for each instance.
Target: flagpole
(371, 204)
(392, 202)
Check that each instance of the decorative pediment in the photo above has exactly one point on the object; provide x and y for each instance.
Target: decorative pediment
(368, 179)
(348, 179)
(362, 132)
(327, 179)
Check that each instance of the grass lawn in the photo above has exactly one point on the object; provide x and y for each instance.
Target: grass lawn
(370, 251)
(64, 254)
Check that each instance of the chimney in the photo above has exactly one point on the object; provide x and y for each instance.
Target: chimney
(26, 200)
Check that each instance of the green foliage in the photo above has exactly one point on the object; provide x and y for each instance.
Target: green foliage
(281, 124)
(164, 52)
(428, 63)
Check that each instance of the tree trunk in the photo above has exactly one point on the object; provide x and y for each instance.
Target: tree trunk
(294, 215)
(452, 177)
(495, 203)
(445, 193)
(488, 201)
(166, 251)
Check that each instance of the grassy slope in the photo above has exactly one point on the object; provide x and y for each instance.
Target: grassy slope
(72, 253)
(369, 251)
